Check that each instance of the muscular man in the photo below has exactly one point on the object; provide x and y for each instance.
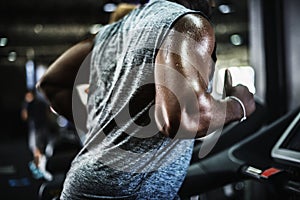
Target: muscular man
(148, 99)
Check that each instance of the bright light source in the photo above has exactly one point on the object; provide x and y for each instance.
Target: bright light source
(244, 75)
(3, 42)
(38, 28)
(29, 67)
(95, 28)
(109, 7)
(40, 70)
(225, 9)
(53, 111)
(30, 53)
(236, 39)
(61, 121)
(12, 56)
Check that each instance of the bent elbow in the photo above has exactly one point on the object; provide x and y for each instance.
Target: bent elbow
(48, 90)
(43, 88)
(40, 86)
(196, 125)
(166, 123)
(170, 130)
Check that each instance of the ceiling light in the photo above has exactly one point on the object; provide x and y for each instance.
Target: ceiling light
(3, 42)
(38, 28)
(236, 39)
(225, 9)
(109, 7)
(30, 53)
(12, 56)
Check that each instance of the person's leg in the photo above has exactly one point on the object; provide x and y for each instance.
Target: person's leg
(37, 142)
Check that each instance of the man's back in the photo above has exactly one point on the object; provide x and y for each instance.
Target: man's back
(133, 151)
(125, 155)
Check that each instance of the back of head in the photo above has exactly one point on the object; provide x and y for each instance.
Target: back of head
(121, 10)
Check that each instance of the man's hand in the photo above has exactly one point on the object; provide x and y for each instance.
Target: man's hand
(239, 91)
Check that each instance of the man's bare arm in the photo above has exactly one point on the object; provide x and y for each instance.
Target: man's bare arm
(57, 83)
(182, 71)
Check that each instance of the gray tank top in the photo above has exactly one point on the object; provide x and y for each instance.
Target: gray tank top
(125, 156)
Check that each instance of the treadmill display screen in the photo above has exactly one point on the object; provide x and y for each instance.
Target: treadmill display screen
(287, 147)
(292, 142)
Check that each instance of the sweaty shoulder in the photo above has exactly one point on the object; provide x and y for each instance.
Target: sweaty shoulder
(192, 21)
(196, 27)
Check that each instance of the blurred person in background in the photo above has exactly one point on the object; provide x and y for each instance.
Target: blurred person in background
(41, 129)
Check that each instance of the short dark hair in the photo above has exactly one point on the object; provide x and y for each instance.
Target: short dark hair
(143, 1)
(198, 5)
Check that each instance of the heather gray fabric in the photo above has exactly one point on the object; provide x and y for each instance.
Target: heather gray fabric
(125, 156)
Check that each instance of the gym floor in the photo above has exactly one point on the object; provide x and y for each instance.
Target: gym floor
(16, 181)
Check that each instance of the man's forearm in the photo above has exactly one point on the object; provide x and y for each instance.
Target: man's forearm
(210, 115)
